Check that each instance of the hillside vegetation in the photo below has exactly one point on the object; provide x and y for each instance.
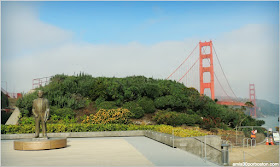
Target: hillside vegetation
(168, 102)
(268, 108)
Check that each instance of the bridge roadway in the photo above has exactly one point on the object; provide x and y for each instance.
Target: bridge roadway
(109, 151)
(231, 103)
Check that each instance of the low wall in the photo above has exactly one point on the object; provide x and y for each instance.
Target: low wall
(194, 145)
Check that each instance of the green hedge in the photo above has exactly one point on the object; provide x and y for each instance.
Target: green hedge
(56, 128)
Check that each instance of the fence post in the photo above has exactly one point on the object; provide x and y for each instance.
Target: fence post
(236, 136)
(243, 158)
(205, 155)
(173, 135)
(201, 149)
(225, 155)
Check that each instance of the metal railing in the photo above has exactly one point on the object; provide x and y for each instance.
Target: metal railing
(251, 142)
(40, 81)
(11, 95)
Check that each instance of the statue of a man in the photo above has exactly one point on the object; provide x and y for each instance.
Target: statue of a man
(41, 112)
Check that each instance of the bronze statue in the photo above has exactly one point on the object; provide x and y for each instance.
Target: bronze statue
(41, 112)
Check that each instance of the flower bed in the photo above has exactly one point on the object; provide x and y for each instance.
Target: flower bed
(57, 128)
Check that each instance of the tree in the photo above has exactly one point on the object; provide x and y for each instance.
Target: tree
(249, 104)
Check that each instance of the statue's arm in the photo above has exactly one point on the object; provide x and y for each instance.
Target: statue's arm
(33, 109)
(47, 110)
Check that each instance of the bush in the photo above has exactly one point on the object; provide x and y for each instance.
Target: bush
(27, 121)
(147, 105)
(211, 122)
(134, 108)
(25, 103)
(113, 116)
(61, 113)
(107, 105)
(175, 102)
(175, 118)
(99, 100)
(179, 131)
(260, 122)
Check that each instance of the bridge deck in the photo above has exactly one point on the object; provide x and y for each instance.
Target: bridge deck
(231, 103)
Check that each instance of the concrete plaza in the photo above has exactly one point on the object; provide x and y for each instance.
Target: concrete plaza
(109, 151)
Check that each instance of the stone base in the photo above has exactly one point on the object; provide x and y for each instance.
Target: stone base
(40, 143)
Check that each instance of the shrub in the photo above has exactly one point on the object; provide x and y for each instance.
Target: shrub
(195, 118)
(211, 122)
(168, 118)
(260, 122)
(107, 105)
(179, 131)
(27, 121)
(175, 102)
(134, 108)
(25, 103)
(62, 113)
(113, 116)
(99, 100)
(147, 105)
(175, 118)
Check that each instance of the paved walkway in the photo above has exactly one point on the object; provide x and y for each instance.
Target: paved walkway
(163, 155)
(111, 151)
(13, 119)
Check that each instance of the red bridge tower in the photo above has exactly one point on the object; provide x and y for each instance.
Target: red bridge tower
(205, 46)
(252, 95)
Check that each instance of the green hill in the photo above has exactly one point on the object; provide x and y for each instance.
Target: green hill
(170, 102)
(268, 108)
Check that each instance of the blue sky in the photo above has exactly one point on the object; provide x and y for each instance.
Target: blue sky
(151, 22)
(139, 38)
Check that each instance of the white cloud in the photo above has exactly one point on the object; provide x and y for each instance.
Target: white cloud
(23, 31)
(249, 54)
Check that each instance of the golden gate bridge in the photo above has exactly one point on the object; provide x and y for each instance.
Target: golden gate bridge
(209, 77)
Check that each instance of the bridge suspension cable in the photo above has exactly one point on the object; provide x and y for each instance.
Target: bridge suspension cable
(183, 62)
(223, 72)
(188, 70)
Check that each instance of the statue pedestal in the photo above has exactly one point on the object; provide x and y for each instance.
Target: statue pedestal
(40, 143)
